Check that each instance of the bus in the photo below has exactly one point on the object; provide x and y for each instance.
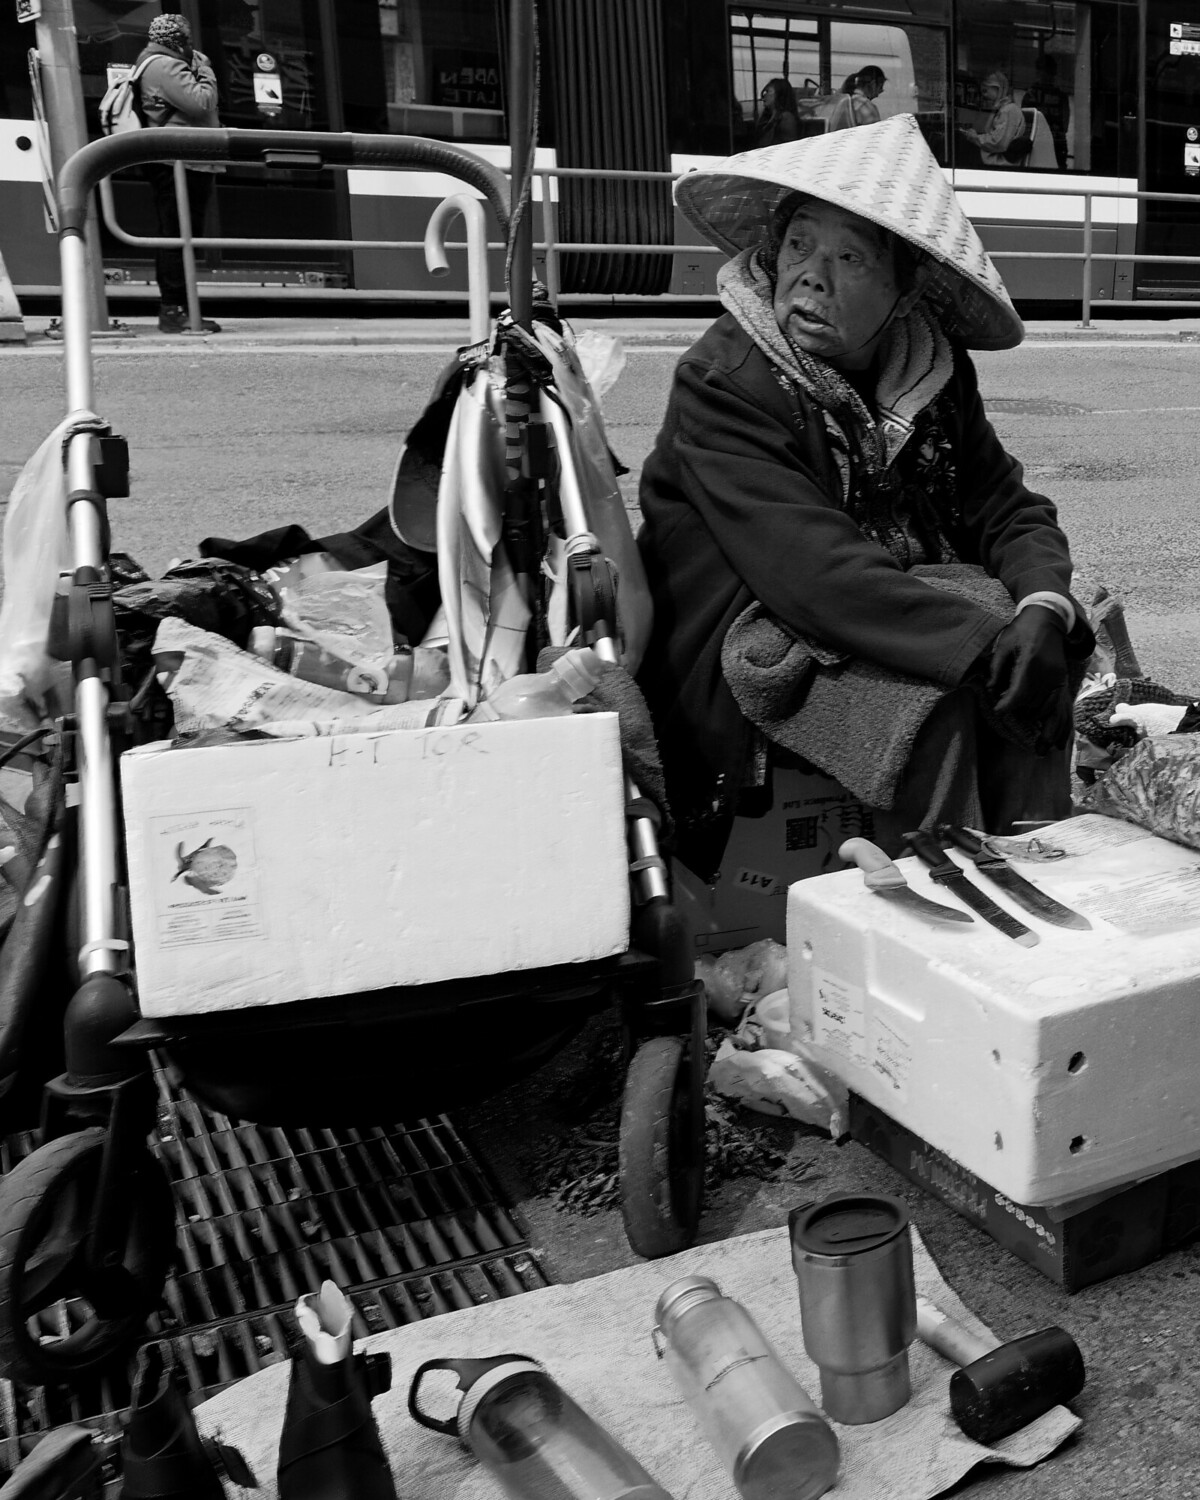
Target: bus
(1109, 90)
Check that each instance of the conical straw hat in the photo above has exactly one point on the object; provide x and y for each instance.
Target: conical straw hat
(885, 173)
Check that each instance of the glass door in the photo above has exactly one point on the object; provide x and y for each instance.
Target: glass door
(1172, 146)
(276, 63)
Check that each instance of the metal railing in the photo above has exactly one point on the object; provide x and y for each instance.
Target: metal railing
(551, 249)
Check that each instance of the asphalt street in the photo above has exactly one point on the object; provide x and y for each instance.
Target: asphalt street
(231, 440)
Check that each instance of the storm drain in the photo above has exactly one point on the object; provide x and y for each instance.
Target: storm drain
(401, 1217)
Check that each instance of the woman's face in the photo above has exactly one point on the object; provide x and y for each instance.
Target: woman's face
(768, 96)
(836, 287)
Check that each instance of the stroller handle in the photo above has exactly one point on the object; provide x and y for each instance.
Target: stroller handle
(272, 148)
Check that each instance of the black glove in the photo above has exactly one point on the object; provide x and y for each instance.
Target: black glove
(1027, 679)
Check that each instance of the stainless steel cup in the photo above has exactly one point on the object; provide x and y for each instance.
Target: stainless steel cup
(852, 1255)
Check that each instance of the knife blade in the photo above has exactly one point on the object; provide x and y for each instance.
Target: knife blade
(1022, 891)
(883, 878)
(943, 871)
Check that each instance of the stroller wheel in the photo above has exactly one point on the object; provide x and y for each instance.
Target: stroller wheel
(662, 1147)
(49, 1328)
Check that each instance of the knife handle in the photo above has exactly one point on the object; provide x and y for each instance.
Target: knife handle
(879, 873)
(930, 852)
(962, 838)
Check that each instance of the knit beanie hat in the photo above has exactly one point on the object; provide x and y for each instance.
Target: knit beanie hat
(172, 31)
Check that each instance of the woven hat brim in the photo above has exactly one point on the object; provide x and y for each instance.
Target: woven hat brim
(732, 204)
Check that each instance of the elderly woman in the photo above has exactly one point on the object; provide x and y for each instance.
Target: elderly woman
(1005, 122)
(823, 440)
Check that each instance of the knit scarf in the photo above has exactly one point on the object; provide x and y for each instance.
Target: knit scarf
(916, 364)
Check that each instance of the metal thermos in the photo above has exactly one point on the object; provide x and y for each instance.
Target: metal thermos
(766, 1430)
(853, 1259)
(528, 1433)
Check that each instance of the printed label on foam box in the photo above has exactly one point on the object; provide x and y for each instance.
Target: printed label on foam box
(890, 1052)
(839, 1016)
(205, 878)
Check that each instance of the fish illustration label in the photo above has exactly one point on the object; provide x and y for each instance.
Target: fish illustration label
(206, 878)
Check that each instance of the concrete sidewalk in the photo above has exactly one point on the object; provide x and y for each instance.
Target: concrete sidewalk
(448, 332)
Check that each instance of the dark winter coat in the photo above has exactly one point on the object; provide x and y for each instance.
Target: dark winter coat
(742, 500)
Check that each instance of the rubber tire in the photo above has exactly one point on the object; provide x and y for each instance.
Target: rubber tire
(27, 1195)
(661, 1150)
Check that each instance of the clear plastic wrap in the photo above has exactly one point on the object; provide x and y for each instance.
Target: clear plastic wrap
(1156, 786)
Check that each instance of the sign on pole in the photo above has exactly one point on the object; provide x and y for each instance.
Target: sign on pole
(29, 10)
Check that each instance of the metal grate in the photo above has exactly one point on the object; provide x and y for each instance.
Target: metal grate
(401, 1217)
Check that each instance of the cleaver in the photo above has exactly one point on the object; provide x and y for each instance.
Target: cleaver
(882, 877)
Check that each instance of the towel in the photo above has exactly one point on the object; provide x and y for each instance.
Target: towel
(857, 721)
(613, 1373)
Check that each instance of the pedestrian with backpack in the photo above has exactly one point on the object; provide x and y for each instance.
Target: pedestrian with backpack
(175, 86)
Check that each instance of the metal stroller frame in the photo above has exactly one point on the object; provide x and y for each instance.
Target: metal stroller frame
(87, 1214)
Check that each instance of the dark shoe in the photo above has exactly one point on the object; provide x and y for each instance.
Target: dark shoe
(174, 319)
(163, 1456)
(65, 1465)
(330, 1447)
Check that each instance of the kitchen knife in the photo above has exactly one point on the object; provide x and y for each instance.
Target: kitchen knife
(944, 871)
(882, 877)
(1022, 891)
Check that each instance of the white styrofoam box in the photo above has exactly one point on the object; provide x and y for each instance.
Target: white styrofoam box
(329, 866)
(1051, 1072)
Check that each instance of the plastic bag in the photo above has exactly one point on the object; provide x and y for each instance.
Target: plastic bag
(602, 359)
(774, 1082)
(735, 978)
(36, 550)
(1156, 786)
(345, 611)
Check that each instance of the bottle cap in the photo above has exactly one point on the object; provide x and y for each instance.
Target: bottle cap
(682, 1294)
(579, 670)
(847, 1224)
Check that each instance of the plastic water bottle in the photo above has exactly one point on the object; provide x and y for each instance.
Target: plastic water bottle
(540, 695)
(532, 1438)
(765, 1428)
(407, 674)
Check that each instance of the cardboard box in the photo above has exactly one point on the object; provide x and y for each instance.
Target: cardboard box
(798, 836)
(1074, 1244)
(264, 872)
(1052, 1071)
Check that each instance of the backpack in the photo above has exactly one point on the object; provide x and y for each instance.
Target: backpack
(121, 106)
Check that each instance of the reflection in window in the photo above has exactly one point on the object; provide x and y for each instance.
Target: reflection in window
(820, 59)
(1041, 54)
(443, 68)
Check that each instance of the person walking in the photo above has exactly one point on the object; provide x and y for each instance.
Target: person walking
(177, 87)
(856, 105)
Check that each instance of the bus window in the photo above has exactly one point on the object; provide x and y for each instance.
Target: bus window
(1048, 74)
(443, 68)
(899, 68)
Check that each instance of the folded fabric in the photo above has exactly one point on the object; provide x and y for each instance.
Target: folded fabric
(855, 720)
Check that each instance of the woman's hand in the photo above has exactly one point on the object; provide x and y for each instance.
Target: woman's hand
(1028, 676)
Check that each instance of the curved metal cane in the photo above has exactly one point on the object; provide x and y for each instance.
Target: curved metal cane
(478, 288)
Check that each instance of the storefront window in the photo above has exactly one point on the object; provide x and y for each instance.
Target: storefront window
(443, 68)
(899, 67)
(1054, 70)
